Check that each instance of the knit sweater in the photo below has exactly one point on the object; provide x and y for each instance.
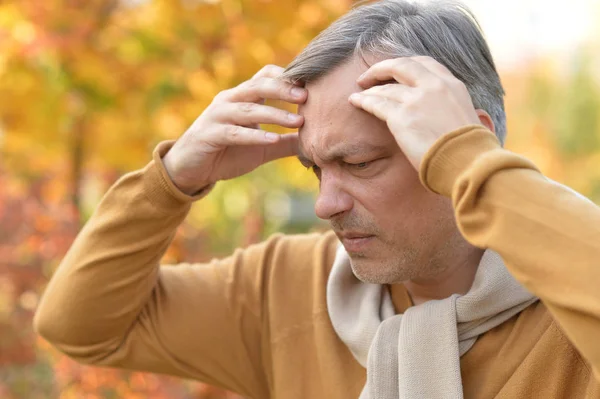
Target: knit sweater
(257, 322)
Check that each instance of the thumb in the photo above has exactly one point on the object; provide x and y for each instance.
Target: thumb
(286, 146)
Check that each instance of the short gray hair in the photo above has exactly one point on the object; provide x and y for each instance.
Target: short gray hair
(444, 30)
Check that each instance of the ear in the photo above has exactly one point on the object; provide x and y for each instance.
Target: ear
(486, 120)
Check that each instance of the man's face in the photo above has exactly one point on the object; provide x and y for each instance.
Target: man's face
(391, 226)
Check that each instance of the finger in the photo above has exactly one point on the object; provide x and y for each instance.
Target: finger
(450, 81)
(381, 107)
(286, 146)
(403, 70)
(230, 135)
(269, 71)
(268, 88)
(392, 91)
(435, 67)
(247, 114)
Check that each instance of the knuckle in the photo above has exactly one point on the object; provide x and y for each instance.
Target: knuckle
(398, 62)
(246, 108)
(271, 69)
(418, 96)
(414, 102)
(424, 58)
(459, 85)
(222, 95)
(253, 84)
(232, 132)
(437, 86)
(248, 86)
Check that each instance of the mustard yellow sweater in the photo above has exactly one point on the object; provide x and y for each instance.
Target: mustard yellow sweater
(257, 322)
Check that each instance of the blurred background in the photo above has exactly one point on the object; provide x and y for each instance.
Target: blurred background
(88, 88)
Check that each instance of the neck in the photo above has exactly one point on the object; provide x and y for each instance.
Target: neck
(456, 277)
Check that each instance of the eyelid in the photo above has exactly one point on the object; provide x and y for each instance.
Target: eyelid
(356, 165)
(305, 162)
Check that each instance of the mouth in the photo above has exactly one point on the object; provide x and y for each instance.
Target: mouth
(356, 242)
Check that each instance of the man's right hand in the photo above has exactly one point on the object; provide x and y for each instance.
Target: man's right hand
(225, 141)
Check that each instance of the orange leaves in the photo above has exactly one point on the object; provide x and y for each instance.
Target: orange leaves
(88, 89)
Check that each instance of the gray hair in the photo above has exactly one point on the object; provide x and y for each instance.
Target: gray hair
(444, 30)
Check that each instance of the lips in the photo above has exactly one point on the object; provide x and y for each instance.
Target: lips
(356, 242)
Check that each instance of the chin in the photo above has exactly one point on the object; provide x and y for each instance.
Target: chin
(378, 271)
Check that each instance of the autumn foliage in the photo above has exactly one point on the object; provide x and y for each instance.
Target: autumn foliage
(88, 88)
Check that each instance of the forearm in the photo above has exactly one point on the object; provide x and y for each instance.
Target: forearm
(111, 269)
(548, 235)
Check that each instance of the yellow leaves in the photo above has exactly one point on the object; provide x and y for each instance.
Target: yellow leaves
(338, 7)
(169, 122)
(236, 202)
(232, 9)
(223, 66)
(202, 85)
(311, 14)
(131, 51)
(291, 39)
(17, 80)
(93, 71)
(261, 51)
(297, 176)
(3, 66)
(201, 218)
(10, 15)
(24, 32)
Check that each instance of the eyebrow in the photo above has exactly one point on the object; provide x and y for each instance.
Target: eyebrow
(339, 152)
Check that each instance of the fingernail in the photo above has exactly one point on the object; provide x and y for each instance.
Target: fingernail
(361, 76)
(271, 136)
(293, 117)
(297, 92)
(354, 96)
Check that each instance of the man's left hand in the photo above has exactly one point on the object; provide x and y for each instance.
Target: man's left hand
(424, 102)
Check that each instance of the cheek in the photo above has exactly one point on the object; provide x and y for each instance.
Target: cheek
(392, 194)
(401, 203)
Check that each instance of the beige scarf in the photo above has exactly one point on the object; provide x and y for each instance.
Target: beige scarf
(417, 354)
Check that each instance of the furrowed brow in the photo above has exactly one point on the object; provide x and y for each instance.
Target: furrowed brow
(343, 151)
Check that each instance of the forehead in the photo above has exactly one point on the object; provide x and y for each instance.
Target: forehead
(327, 98)
(331, 121)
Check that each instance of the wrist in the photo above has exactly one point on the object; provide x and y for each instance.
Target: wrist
(183, 183)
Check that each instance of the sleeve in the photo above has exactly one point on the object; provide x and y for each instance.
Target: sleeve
(547, 234)
(110, 303)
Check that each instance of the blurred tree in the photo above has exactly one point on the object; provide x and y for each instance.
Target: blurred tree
(554, 118)
(87, 89)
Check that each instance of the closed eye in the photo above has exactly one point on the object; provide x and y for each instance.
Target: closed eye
(360, 165)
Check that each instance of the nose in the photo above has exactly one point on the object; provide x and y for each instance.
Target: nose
(332, 199)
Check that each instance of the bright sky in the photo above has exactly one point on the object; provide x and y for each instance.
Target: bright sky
(518, 30)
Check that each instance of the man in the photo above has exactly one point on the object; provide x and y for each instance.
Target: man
(448, 240)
